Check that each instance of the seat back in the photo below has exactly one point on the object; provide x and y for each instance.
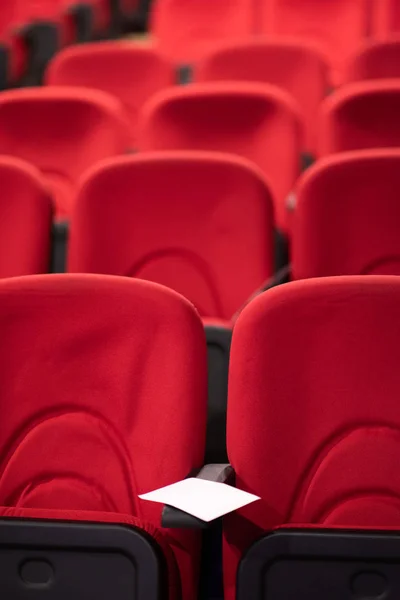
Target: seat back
(377, 59)
(386, 18)
(337, 26)
(292, 64)
(185, 30)
(199, 223)
(25, 220)
(258, 122)
(106, 65)
(361, 116)
(348, 216)
(62, 131)
(313, 414)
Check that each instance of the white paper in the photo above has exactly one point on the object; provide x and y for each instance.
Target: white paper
(206, 500)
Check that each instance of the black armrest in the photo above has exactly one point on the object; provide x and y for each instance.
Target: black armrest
(173, 518)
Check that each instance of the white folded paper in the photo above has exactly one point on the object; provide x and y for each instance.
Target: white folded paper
(203, 499)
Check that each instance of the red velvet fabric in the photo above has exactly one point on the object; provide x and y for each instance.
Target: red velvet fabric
(386, 19)
(376, 59)
(338, 26)
(292, 64)
(25, 219)
(313, 410)
(259, 122)
(361, 116)
(347, 218)
(106, 65)
(106, 517)
(199, 223)
(62, 131)
(103, 397)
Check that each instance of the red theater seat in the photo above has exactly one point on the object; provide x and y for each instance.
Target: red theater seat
(291, 64)
(337, 26)
(348, 216)
(361, 116)
(62, 131)
(185, 30)
(386, 17)
(258, 122)
(314, 430)
(131, 73)
(199, 223)
(377, 59)
(25, 220)
(103, 398)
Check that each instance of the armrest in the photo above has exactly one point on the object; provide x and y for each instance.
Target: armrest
(173, 518)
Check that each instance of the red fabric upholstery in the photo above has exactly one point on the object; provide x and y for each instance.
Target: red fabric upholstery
(377, 59)
(292, 64)
(307, 430)
(8, 38)
(106, 66)
(200, 223)
(361, 116)
(105, 517)
(338, 26)
(25, 220)
(62, 131)
(185, 30)
(386, 17)
(103, 404)
(257, 121)
(348, 216)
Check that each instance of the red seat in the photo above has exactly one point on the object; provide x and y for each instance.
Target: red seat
(361, 116)
(25, 220)
(101, 405)
(105, 66)
(259, 122)
(199, 223)
(13, 55)
(62, 131)
(291, 64)
(348, 216)
(313, 414)
(377, 59)
(185, 30)
(386, 18)
(337, 26)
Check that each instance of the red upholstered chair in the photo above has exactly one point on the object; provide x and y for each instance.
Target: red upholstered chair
(131, 73)
(337, 26)
(98, 407)
(314, 430)
(259, 122)
(62, 131)
(386, 18)
(185, 30)
(200, 223)
(376, 59)
(292, 64)
(347, 218)
(25, 220)
(361, 116)
(12, 54)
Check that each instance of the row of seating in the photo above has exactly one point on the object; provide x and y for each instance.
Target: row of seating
(123, 411)
(185, 30)
(31, 32)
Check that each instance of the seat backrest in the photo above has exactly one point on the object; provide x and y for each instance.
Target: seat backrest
(338, 26)
(291, 64)
(25, 220)
(347, 218)
(377, 59)
(185, 30)
(62, 131)
(256, 121)
(199, 223)
(386, 18)
(131, 73)
(313, 412)
(103, 393)
(361, 116)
